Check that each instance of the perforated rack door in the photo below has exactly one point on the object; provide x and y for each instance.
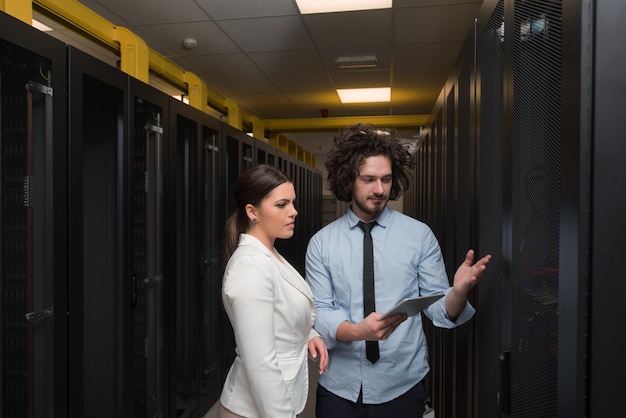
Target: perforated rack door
(26, 217)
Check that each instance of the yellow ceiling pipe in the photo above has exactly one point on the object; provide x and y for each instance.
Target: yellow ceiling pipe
(134, 56)
(137, 59)
(324, 124)
(199, 94)
(19, 9)
(273, 137)
(196, 91)
(168, 70)
(80, 17)
(235, 118)
(133, 50)
(258, 128)
(292, 148)
(299, 152)
(283, 143)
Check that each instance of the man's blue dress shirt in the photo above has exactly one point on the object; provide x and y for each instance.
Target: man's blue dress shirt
(407, 263)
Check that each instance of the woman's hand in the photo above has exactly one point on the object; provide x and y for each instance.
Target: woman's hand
(319, 353)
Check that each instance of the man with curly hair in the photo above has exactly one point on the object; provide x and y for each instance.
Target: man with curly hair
(368, 167)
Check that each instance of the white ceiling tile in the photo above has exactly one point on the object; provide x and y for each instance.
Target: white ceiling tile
(141, 12)
(210, 38)
(353, 29)
(287, 62)
(278, 64)
(268, 34)
(237, 9)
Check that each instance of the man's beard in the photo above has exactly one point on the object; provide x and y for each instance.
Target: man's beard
(374, 211)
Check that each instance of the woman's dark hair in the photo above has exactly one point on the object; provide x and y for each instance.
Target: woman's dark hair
(352, 145)
(251, 188)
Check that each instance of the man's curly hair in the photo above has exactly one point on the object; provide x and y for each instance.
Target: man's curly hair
(352, 145)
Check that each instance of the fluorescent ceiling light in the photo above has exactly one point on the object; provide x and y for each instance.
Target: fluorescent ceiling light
(330, 6)
(381, 94)
(367, 61)
(38, 25)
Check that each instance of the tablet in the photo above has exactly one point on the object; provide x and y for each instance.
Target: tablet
(412, 306)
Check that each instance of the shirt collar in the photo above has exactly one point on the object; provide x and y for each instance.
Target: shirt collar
(382, 220)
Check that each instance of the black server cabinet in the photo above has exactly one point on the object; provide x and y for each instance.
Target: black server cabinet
(441, 198)
(291, 248)
(265, 153)
(307, 183)
(310, 206)
(100, 289)
(533, 177)
(150, 249)
(282, 162)
(214, 218)
(520, 131)
(506, 144)
(239, 157)
(33, 329)
(535, 149)
(519, 205)
(184, 346)
(608, 124)
(196, 340)
(493, 296)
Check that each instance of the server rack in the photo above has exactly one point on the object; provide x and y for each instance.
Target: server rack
(114, 214)
(33, 328)
(531, 117)
(184, 347)
(196, 161)
(150, 247)
(214, 215)
(239, 157)
(100, 284)
(265, 153)
(601, 110)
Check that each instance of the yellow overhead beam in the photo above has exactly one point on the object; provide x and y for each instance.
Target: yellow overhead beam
(258, 128)
(235, 115)
(283, 143)
(197, 90)
(324, 124)
(19, 9)
(167, 69)
(134, 55)
(137, 59)
(80, 17)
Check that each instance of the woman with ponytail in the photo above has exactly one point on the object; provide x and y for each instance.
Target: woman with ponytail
(269, 304)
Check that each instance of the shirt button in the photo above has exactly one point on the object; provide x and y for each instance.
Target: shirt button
(364, 362)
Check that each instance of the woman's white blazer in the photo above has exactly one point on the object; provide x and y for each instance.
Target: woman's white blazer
(271, 309)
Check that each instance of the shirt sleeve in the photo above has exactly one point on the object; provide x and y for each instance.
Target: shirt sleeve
(249, 290)
(313, 334)
(328, 315)
(434, 279)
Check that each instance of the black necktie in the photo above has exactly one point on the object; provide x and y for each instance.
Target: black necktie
(369, 305)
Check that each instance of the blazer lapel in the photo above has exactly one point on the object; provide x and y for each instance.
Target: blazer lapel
(291, 276)
(282, 266)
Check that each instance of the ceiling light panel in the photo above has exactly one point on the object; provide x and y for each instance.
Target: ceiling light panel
(41, 26)
(331, 6)
(372, 95)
